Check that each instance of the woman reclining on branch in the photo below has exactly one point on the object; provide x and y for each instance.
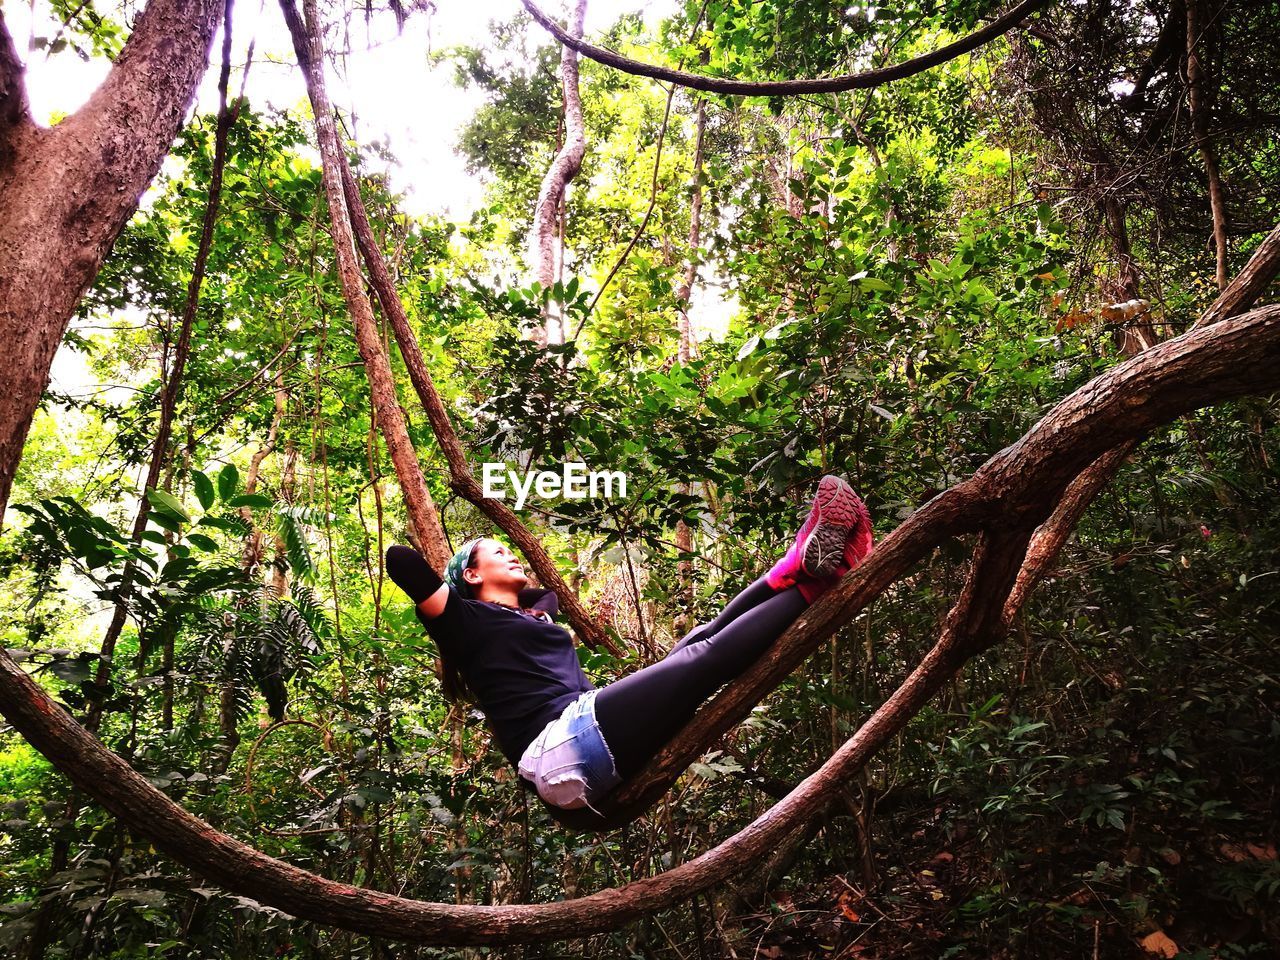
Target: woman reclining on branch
(574, 743)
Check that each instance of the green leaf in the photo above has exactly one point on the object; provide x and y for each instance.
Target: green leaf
(748, 348)
(204, 489)
(168, 504)
(230, 524)
(164, 520)
(203, 542)
(228, 481)
(254, 501)
(178, 568)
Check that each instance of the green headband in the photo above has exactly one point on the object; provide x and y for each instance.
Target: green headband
(459, 562)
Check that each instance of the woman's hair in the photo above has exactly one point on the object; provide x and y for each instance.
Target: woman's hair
(452, 682)
(462, 560)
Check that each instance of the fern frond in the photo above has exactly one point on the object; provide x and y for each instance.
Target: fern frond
(297, 550)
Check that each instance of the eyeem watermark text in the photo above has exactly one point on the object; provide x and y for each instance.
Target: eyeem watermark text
(573, 482)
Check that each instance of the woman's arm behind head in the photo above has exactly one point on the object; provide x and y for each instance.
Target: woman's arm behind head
(412, 574)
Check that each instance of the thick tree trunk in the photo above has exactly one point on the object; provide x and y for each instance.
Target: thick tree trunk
(14, 114)
(66, 192)
(422, 510)
(544, 235)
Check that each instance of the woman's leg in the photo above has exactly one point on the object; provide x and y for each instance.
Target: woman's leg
(641, 712)
(752, 596)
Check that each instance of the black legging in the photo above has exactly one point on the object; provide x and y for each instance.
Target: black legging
(641, 712)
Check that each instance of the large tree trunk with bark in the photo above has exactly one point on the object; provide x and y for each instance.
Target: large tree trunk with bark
(25, 183)
(545, 234)
(67, 192)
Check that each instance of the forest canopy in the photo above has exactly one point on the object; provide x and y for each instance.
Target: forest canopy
(278, 312)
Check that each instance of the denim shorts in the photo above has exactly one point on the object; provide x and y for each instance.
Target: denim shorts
(568, 762)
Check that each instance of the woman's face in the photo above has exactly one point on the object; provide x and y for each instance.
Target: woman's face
(493, 565)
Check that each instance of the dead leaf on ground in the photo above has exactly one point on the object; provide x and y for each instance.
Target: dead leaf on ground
(846, 908)
(1159, 944)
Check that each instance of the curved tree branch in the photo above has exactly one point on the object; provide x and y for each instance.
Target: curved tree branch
(773, 88)
(1012, 493)
(1051, 536)
(1021, 484)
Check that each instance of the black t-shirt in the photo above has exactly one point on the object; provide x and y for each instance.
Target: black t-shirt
(524, 671)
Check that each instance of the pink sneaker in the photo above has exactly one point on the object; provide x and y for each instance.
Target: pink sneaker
(860, 543)
(818, 548)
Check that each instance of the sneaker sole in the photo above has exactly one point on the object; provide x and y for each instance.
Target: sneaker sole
(837, 507)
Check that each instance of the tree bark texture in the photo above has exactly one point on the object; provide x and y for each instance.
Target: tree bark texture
(67, 191)
(13, 96)
(461, 480)
(544, 235)
(1004, 501)
(413, 485)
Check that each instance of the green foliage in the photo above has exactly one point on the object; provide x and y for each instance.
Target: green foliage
(901, 281)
